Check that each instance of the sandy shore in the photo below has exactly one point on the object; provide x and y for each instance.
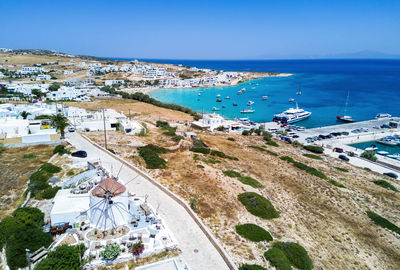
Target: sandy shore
(253, 76)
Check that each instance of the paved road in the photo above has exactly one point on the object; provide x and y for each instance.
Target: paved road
(197, 250)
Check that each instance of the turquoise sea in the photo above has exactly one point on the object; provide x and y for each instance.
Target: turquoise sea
(373, 86)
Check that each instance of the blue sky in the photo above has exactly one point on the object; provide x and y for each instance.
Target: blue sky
(251, 29)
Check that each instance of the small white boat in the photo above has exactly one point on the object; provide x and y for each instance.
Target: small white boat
(247, 111)
(383, 153)
(239, 92)
(371, 148)
(215, 109)
(298, 93)
(199, 94)
(396, 156)
(253, 88)
(249, 103)
(218, 95)
(243, 89)
(291, 99)
(265, 97)
(227, 97)
(383, 115)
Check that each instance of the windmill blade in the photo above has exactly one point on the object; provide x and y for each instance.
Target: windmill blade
(119, 207)
(102, 212)
(122, 165)
(127, 183)
(113, 217)
(89, 208)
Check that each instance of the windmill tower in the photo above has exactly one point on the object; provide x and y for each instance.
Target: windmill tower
(109, 205)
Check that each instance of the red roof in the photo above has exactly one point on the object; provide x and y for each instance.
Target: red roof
(110, 185)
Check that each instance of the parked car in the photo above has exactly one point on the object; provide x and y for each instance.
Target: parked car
(338, 150)
(344, 133)
(80, 154)
(71, 129)
(350, 154)
(390, 174)
(343, 157)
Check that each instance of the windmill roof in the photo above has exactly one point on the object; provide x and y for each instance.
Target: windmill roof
(110, 185)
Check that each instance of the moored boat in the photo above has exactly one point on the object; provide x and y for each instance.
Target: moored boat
(265, 97)
(219, 100)
(383, 115)
(234, 104)
(215, 109)
(291, 99)
(227, 97)
(218, 95)
(247, 111)
(345, 118)
(383, 153)
(249, 103)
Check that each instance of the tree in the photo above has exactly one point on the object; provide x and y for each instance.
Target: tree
(24, 114)
(54, 86)
(111, 252)
(37, 93)
(29, 216)
(63, 258)
(60, 122)
(370, 155)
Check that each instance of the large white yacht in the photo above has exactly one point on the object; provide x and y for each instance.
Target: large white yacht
(292, 115)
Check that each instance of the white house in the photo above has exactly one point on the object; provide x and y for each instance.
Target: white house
(43, 77)
(68, 72)
(111, 82)
(27, 70)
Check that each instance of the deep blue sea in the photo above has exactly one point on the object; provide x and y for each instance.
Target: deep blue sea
(373, 87)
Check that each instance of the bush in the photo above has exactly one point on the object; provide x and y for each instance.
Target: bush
(278, 259)
(2, 148)
(50, 168)
(200, 147)
(29, 216)
(64, 257)
(111, 252)
(383, 222)
(258, 205)
(370, 155)
(177, 138)
(385, 184)
(231, 173)
(296, 254)
(304, 167)
(297, 143)
(60, 149)
(193, 202)
(220, 128)
(200, 166)
(246, 132)
(251, 267)
(267, 136)
(111, 150)
(253, 232)
(337, 184)
(222, 155)
(247, 180)
(263, 150)
(29, 156)
(212, 160)
(162, 124)
(149, 153)
(231, 139)
(48, 193)
(71, 172)
(314, 149)
(272, 143)
(312, 156)
(341, 169)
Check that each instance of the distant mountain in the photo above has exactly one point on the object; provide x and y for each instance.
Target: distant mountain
(365, 54)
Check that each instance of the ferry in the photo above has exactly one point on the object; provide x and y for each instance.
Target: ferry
(247, 111)
(264, 97)
(249, 103)
(382, 115)
(292, 115)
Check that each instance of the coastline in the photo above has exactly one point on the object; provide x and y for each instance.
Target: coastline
(253, 76)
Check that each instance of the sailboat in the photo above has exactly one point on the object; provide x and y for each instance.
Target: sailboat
(345, 118)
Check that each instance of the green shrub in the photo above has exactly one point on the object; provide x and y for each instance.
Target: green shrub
(247, 180)
(314, 148)
(212, 160)
(296, 254)
(48, 193)
(231, 173)
(29, 216)
(335, 183)
(367, 169)
(312, 156)
(251, 267)
(341, 169)
(253, 232)
(64, 257)
(297, 143)
(200, 147)
(200, 166)
(246, 132)
(60, 149)
(29, 156)
(222, 155)
(385, 184)
(50, 168)
(258, 205)
(220, 128)
(304, 167)
(272, 143)
(177, 138)
(149, 153)
(383, 222)
(260, 148)
(71, 172)
(370, 155)
(2, 148)
(111, 252)
(267, 136)
(231, 139)
(193, 202)
(162, 124)
(278, 259)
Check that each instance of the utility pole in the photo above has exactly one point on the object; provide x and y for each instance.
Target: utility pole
(105, 133)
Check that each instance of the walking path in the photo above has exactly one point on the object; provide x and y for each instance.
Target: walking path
(199, 247)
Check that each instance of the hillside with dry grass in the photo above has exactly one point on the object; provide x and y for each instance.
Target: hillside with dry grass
(330, 222)
(16, 165)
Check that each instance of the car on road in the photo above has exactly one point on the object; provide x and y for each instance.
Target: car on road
(343, 157)
(338, 150)
(71, 129)
(390, 174)
(79, 154)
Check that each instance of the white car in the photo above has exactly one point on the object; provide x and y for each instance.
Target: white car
(71, 129)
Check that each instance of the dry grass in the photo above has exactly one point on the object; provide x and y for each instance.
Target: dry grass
(138, 110)
(329, 222)
(15, 172)
(29, 59)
